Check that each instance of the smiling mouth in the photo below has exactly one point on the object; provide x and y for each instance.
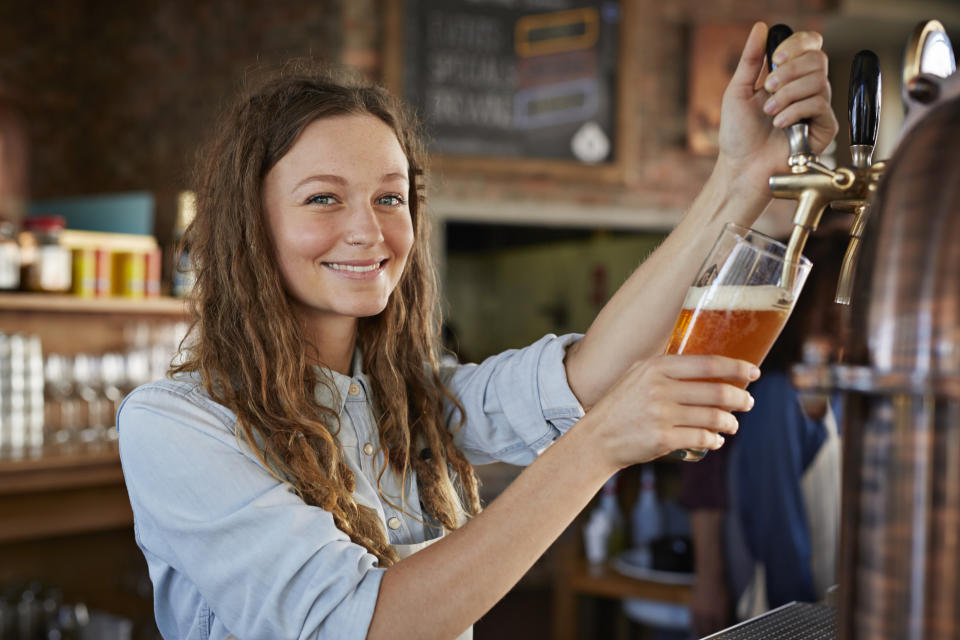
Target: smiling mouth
(355, 268)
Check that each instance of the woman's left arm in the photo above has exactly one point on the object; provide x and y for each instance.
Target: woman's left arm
(637, 320)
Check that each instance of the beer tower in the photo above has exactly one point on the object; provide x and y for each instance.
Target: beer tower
(899, 561)
(815, 186)
(899, 567)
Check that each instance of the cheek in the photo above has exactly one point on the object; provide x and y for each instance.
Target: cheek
(296, 248)
(400, 237)
(303, 242)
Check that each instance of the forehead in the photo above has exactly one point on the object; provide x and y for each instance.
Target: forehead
(348, 144)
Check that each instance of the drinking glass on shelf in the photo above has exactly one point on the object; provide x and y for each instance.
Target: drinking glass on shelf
(84, 375)
(738, 303)
(60, 415)
(137, 369)
(112, 377)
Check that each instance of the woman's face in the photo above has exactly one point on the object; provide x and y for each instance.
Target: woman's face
(336, 206)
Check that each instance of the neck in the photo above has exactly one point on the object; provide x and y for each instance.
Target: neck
(334, 340)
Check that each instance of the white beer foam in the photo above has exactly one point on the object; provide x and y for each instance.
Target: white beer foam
(729, 297)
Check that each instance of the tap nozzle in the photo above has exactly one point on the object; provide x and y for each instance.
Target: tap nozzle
(847, 269)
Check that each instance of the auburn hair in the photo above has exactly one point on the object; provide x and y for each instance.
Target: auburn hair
(249, 347)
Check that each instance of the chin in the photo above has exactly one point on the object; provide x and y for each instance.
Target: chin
(366, 310)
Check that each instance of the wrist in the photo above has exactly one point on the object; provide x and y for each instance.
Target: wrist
(595, 462)
(746, 192)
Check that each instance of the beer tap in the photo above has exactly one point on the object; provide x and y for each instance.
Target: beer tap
(814, 185)
(863, 106)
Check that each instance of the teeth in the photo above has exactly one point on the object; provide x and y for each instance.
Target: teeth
(352, 267)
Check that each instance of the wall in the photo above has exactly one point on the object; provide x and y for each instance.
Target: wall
(665, 176)
(117, 95)
(509, 297)
(117, 99)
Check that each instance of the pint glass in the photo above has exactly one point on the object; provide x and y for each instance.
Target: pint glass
(737, 306)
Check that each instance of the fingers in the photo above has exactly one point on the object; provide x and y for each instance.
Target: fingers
(796, 45)
(691, 367)
(707, 419)
(799, 87)
(803, 76)
(799, 79)
(751, 65)
(694, 438)
(809, 108)
(712, 394)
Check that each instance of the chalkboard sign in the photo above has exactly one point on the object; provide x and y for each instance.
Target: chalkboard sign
(515, 79)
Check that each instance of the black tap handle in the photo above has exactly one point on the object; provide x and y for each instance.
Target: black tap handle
(863, 102)
(777, 34)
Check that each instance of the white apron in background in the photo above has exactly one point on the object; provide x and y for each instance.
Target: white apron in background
(820, 485)
(821, 493)
(407, 550)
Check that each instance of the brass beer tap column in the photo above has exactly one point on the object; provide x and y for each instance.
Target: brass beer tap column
(815, 186)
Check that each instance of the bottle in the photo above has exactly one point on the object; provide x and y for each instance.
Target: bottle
(645, 517)
(51, 266)
(9, 257)
(604, 532)
(610, 503)
(183, 275)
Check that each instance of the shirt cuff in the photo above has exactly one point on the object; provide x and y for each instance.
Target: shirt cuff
(356, 612)
(557, 401)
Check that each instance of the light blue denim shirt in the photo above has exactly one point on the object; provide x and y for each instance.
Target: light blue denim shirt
(232, 550)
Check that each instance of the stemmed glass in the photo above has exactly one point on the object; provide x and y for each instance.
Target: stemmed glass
(113, 377)
(61, 409)
(85, 377)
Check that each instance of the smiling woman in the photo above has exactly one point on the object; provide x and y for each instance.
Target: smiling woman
(290, 478)
(336, 206)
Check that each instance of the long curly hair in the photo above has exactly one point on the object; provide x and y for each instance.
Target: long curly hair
(249, 347)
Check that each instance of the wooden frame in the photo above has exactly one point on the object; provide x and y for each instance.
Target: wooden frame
(626, 148)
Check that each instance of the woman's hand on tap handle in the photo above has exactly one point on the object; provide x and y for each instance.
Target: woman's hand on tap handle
(758, 105)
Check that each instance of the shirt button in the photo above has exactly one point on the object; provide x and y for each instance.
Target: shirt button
(354, 389)
(368, 449)
(394, 523)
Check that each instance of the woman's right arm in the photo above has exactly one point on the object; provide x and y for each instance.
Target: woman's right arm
(442, 590)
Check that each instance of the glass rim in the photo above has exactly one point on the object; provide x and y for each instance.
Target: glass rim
(733, 227)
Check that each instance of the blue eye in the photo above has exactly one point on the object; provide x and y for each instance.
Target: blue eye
(391, 200)
(322, 199)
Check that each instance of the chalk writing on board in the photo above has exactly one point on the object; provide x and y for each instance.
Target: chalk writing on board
(524, 78)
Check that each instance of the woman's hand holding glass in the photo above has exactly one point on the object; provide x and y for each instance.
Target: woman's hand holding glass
(664, 403)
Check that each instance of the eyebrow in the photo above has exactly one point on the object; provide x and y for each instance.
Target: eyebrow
(329, 177)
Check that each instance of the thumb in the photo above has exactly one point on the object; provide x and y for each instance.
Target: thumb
(750, 68)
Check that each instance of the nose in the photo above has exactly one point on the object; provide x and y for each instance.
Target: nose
(363, 227)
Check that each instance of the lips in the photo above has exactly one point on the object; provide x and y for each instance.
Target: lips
(357, 269)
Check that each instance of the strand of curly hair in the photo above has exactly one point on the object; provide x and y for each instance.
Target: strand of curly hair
(250, 350)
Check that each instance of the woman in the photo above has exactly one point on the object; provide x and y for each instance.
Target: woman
(310, 443)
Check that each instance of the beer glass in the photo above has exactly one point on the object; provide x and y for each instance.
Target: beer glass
(737, 304)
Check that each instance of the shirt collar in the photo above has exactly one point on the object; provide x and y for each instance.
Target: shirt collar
(336, 398)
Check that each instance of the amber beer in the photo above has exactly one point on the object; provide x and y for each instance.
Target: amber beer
(737, 306)
(738, 321)
(731, 320)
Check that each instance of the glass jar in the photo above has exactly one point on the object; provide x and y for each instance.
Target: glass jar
(51, 267)
(9, 257)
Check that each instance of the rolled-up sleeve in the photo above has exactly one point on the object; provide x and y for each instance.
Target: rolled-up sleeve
(517, 402)
(213, 522)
